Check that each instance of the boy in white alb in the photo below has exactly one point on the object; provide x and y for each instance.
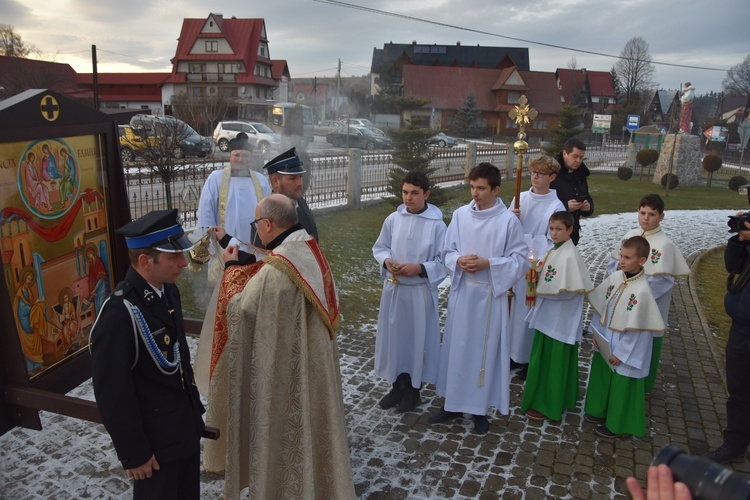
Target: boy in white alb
(664, 264)
(535, 208)
(485, 254)
(409, 248)
(625, 319)
(557, 320)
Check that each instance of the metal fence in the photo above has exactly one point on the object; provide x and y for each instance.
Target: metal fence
(330, 172)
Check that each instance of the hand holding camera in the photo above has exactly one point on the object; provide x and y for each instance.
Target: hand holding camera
(740, 223)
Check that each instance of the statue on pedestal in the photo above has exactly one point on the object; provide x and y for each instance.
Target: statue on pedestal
(687, 99)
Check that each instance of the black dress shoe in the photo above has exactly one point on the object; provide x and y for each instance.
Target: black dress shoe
(602, 431)
(410, 401)
(523, 372)
(444, 416)
(397, 391)
(726, 455)
(481, 424)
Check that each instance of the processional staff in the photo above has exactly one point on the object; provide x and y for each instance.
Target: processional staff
(522, 115)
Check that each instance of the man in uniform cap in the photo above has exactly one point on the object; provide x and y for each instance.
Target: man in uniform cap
(285, 172)
(142, 377)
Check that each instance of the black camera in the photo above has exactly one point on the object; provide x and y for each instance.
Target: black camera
(736, 223)
(705, 479)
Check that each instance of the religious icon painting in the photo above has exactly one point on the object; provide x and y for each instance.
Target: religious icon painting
(56, 253)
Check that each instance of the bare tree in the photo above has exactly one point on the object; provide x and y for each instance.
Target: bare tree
(737, 80)
(634, 68)
(204, 112)
(12, 45)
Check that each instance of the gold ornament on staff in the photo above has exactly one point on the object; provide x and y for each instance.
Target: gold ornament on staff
(522, 115)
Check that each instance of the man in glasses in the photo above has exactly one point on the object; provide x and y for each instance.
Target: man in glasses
(275, 389)
(571, 185)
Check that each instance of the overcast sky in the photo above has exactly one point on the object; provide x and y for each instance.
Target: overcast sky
(141, 35)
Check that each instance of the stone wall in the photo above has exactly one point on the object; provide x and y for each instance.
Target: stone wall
(686, 162)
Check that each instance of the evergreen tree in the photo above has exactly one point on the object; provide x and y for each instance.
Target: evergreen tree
(568, 125)
(467, 118)
(412, 153)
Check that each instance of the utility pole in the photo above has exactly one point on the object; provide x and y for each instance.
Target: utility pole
(96, 77)
(338, 88)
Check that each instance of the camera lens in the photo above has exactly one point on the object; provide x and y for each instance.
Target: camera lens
(706, 479)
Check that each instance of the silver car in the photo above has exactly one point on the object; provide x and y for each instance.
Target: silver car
(259, 135)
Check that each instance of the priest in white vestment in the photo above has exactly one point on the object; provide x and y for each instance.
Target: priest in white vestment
(485, 254)
(275, 387)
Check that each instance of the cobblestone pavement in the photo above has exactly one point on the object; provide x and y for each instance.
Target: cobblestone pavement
(399, 455)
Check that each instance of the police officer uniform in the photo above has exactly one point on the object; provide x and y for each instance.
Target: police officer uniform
(142, 378)
(288, 163)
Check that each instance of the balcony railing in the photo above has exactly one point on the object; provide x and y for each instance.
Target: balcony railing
(212, 77)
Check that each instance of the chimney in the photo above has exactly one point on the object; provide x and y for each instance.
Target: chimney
(458, 43)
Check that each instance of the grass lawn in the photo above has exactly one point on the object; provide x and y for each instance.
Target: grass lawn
(347, 237)
(711, 278)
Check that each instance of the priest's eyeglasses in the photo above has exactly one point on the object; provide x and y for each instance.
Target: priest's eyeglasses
(537, 173)
(254, 224)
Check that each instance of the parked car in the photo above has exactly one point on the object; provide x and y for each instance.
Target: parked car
(442, 140)
(173, 135)
(259, 135)
(325, 127)
(377, 131)
(357, 122)
(359, 137)
(135, 143)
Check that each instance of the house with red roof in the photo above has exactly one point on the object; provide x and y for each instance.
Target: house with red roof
(592, 91)
(227, 57)
(18, 74)
(496, 91)
(134, 91)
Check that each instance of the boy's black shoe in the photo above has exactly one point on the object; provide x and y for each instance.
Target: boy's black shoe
(443, 416)
(602, 430)
(726, 455)
(481, 424)
(523, 371)
(593, 419)
(397, 392)
(410, 401)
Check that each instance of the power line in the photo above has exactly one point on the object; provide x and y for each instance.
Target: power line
(152, 61)
(338, 3)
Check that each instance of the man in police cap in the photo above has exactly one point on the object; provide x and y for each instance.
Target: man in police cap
(285, 172)
(142, 377)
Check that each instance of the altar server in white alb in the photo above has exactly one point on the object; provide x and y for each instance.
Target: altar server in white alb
(536, 207)
(485, 254)
(407, 346)
(625, 319)
(664, 265)
(557, 320)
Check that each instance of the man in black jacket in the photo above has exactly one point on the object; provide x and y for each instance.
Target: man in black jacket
(143, 382)
(285, 174)
(571, 186)
(737, 305)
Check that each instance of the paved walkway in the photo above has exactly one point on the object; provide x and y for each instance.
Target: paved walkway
(398, 456)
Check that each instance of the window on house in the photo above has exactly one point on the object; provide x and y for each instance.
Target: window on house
(510, 124)
(212, 46)
(197, 91)
(225, 68)
(514, 97)
(196, 68)
(262, 50)
(257, 92)
(540, 124)
(228, 91)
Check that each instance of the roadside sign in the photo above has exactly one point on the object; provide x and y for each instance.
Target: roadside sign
(634, 122)
(601, 124)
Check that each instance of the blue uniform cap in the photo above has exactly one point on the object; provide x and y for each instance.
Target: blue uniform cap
(160, 230)
(286, 163)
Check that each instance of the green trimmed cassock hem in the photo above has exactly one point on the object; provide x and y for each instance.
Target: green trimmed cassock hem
(622, 400)
(552, 379)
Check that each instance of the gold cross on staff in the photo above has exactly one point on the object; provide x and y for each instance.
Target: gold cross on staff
(522, 114)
